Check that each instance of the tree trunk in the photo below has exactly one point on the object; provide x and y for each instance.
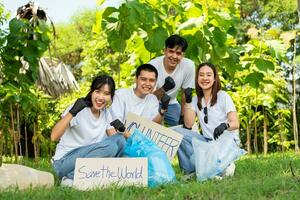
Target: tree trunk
(295, 124)
(255, 138)
(19, 130)
(38, 139)
(14, 135)
(255, 126)
(249, 138)
(265, 133)
(26, 141)
(282, 136)
(34, 139)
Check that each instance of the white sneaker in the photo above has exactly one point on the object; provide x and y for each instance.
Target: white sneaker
(229, 171)
(66, 182)
(218, 177)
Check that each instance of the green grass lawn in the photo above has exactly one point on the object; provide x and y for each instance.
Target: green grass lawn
(256, 177)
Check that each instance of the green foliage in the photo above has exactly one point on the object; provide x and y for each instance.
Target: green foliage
(3, 18)
(156, 40)
(24, 43)
(141, 32)
(69, 39)
(120, 24)
(268, 13)
(283, 125)
(21, 100)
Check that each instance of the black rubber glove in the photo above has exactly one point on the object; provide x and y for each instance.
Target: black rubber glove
(188, 95)
(117, 124)
(219, 130)
(165, 102)
(80, 104)
(169, 84)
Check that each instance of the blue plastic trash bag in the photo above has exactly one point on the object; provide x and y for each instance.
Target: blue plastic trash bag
(212, 158)
(160, 170)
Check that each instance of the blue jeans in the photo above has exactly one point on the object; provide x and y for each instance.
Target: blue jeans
(173, 114)
(185, 150)
(112, 146)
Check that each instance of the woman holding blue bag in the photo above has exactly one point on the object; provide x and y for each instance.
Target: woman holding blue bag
(216, 114)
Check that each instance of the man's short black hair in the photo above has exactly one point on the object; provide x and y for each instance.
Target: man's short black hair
(176, 40)
(146, 67)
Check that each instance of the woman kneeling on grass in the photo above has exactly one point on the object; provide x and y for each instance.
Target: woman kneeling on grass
(85, 131)
(216, 114)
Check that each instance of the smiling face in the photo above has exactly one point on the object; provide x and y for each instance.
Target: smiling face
(101, 97)
(172, 57)
(206, 78)
(145, 83)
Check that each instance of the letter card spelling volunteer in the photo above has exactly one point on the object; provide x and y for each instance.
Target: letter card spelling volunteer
(165, 138)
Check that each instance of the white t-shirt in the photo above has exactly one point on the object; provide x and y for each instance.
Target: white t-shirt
(84, 129)
(216, 114)
(183, 75)
(126, 101)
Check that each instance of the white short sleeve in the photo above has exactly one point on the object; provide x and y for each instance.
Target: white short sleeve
(228, 104)
(118, 107)
(126, 101)
(189, 76)
(194, 103)
(108, 118)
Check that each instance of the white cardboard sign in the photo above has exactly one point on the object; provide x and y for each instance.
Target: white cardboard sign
(165, 138)
(91, 173)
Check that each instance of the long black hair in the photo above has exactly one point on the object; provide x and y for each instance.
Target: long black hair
(98, 82)
(215, 88)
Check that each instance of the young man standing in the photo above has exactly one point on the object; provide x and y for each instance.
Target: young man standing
(174, 69)
(140, 100)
